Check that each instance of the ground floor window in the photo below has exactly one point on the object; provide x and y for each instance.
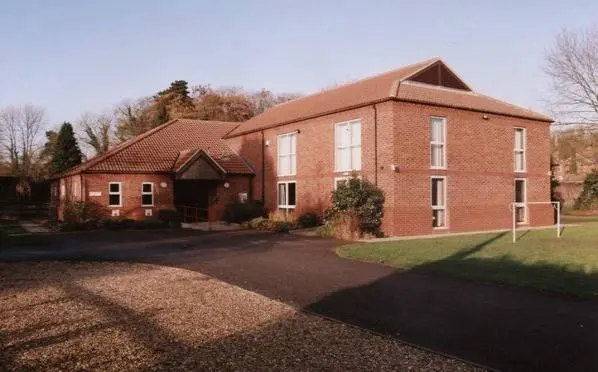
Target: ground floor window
(147, 194)
(520, 200)
(287, 198)
(114, 194)
(438, 187)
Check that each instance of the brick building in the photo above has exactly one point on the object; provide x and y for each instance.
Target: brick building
(446, 157)
(183, 164)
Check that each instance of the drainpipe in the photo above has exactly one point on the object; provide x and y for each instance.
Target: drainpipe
(375, 145)
(263, 169)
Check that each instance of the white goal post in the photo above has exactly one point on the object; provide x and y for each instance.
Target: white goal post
(555, 204)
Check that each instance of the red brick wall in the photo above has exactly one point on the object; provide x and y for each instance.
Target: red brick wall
(480, 173)
(131, 193)
(224, 195)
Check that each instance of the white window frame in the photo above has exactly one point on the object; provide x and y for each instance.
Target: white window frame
(350, 146)
(147, 193)
(292, 156)
(440, 207)
(438, 143)
(286, 205)
(521, 151)
(119, 193)
(521, 204)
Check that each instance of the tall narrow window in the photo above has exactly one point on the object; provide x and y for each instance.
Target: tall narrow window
(347, 139)
(147, 194)
(114, 194)
(287, 195)
(438, 186)
(287, 154)
(520, 201)
(519, 150)
(438, 142)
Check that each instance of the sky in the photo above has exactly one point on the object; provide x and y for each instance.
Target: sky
(73, 56)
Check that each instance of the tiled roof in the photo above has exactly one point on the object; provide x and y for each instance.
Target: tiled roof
(167, 147)
(379, 88)
(436, 95)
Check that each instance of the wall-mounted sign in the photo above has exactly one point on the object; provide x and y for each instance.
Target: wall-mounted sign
(163, 185)
(95, 193)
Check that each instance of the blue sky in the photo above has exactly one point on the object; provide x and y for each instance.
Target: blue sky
(72, 56)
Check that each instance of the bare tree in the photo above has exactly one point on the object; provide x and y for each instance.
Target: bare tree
(21, 128)
(132, 118)
(97, 130)
(572, 65)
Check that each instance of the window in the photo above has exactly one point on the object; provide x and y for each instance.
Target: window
(519, 150)
(114, 194)
(348, 145)
(520, 201)
(287, 196)
(287, 157)
(147, 194)
(438, 142)
(438, 186)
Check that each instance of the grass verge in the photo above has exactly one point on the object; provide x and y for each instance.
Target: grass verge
(538, 260)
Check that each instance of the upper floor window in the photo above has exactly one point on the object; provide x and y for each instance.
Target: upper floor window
(114, 194)
(147, 194)
(347, 139)
(287, 154)
(519, 150)
(438, 142)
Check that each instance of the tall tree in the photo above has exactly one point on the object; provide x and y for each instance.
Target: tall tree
(572, 66)
(20, 129)
(42, 168)
(67, 153)
(133, 118)
(96, 131)
(161, 116)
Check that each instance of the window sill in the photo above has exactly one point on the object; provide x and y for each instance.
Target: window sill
(438, 168)
(114, 206)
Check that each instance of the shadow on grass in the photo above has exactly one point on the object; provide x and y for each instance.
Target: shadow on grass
(492, 325)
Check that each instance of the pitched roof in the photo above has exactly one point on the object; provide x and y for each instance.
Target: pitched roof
(167, 147)
(386, 86)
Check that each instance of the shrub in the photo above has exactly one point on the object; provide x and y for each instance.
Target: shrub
(237, 212)
(281, 215)
(308, 220)
(588, 199)
(79, 214)
(281, 226)
(358, 200)
(170, 217)
(344, 226)
(259, 223)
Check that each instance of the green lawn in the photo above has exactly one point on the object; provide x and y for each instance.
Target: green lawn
(538, 260)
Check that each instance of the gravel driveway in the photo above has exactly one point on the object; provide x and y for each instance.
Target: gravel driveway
(122, 316)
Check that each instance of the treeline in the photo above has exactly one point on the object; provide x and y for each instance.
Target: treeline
(26, 153)
(576, 149)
